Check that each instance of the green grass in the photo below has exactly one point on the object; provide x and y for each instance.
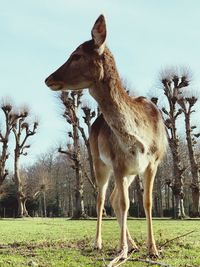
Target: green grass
(61, 242)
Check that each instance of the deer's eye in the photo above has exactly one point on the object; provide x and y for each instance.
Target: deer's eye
(76, 57)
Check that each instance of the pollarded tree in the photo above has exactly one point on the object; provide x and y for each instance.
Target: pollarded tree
(172, 86)
(187, 103)
(88, 116)
(71, 102)
(22, 131)
(9, 121)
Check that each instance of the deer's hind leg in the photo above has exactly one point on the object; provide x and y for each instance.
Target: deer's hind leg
(149, 176)
(114, 199)
(122, 206)
(102, 173)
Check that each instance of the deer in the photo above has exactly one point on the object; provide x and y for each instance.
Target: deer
(127, 139)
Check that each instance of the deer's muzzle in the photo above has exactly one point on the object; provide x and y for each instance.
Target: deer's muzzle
(54, 85)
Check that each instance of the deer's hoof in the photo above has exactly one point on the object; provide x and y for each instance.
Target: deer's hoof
(153, 252)
(98, 245)
(133, 249)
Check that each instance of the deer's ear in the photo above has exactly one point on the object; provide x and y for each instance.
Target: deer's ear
(99, 33)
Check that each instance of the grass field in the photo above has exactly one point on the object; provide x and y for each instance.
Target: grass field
(61, 242)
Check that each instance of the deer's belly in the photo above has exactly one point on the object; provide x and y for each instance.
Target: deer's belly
(132, 163)
(136, 164)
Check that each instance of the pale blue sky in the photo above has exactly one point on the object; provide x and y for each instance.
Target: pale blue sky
(38, 36)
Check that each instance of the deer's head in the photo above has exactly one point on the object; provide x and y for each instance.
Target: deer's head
(84, 66)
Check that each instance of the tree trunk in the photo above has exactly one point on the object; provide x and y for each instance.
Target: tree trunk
(139, 192)
(20, 195)
(70, 199)
(79, 209)
(155, 206)
(194, 168)
(183, 215)
(158, 195)
(167, 196)
(177, 186)
(195, 201)
(45, 205)
(25, 212)
(20, 206)
(177, 207)
(40, 207)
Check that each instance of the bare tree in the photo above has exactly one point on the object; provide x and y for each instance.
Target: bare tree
(71, 102)
(35, 185)
(187, 103)
(46, 184)
(22, 132)
(171, 86)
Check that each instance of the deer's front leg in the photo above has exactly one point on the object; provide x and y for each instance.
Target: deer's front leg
(100, 206)
(122, 185)
(102, 177)
(149, 176)
(114, 199)
(123, 204)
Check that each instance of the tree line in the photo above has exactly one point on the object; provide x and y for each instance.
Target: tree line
(16, 124)
(61, 182)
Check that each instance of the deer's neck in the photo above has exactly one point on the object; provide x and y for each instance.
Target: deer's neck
(115, 104)
(109, 92)
(113, 100)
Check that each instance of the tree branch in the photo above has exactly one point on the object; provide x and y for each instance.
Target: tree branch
(175, 238)
(149, 262)
(1, 137)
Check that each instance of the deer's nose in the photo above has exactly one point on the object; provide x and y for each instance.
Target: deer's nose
(49, 80)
